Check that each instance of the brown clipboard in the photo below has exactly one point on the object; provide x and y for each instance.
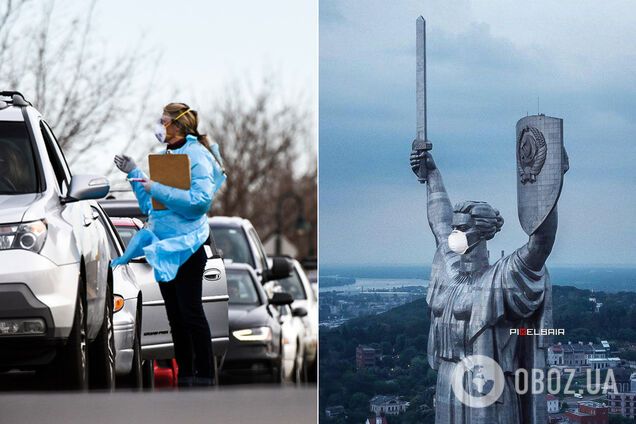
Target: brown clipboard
(170, 170)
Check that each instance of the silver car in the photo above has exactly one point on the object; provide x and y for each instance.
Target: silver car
(56, 308)
(127, 301)
(298, 285)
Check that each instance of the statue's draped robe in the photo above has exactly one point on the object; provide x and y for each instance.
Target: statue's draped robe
(472, 314)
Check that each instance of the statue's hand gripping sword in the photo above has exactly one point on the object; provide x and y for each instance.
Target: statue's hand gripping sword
(421, 143)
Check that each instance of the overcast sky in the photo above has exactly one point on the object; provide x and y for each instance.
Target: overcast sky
(488, 62)
(208, 45)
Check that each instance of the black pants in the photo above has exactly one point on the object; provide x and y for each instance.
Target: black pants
(190, 330)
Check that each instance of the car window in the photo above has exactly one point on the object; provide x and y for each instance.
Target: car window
(126, 233)
(112, 243)
(233, 245)
(262, 257)
(57, 160)
(292, 285)
(17, 162)
(51, 135)
(241, 288)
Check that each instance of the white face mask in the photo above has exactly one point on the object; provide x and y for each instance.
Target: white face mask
(458, 242)
(160, 132)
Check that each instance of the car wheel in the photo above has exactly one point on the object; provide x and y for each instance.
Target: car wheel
(277, 373)
(313, 371)
(148, 374)
(134, 379)
(69, 369)
(102, 350)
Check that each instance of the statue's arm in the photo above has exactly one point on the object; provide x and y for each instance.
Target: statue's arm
(536, 251)
(439, 209)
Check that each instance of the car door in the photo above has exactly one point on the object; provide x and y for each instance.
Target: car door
(124, 281)
(290, 331)
(90, 236)
(259, 252)
(215, 299)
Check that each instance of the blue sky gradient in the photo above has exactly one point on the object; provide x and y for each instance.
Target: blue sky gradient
(487, 64)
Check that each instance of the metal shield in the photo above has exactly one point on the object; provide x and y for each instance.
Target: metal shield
(540, 164)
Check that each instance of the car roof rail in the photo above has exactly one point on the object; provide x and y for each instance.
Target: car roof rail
(17, 98)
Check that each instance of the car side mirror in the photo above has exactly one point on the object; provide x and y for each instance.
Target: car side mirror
(281, 268)
(281, 298)
(85, 187)
(299, 312)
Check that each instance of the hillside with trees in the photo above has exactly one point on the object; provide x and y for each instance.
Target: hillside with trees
(402, 334)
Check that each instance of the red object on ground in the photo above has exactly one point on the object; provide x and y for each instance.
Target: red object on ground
(166, 376)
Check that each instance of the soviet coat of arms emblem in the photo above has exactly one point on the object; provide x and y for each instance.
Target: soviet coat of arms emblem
(531, 153)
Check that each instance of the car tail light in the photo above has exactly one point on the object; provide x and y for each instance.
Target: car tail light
(118, 303)
(28, 236)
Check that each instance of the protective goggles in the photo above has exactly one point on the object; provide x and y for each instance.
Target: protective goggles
(166, 120)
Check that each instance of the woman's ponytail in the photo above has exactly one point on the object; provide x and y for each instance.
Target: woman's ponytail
(203, 139)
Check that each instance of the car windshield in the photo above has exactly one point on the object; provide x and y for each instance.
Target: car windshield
(233, 245)
(126, 233)
(18, 174)
(240, 288)
(293, 286)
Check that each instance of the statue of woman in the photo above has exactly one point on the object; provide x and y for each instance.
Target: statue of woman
(474, 305)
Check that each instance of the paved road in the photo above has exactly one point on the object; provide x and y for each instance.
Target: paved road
(235, 404)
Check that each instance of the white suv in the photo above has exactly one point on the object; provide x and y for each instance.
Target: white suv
(56, 301)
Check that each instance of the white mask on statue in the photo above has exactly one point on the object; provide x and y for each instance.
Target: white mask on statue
(458, 242)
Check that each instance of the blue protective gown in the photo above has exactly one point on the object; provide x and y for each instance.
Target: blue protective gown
(174, 233)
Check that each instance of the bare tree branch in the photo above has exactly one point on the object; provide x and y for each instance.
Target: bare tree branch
(79, 87)
(260, 136)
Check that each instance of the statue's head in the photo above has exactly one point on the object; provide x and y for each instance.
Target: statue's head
(473, 222)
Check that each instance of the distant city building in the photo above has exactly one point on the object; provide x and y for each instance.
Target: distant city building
(580, 356)
(334, 411)
(388, 405)
(553, 404)
(623, 402)
(376, 419)
(588, 412)
(597, 305)
(365, 357)
(622, 377)
(603, 363)
(555, 355)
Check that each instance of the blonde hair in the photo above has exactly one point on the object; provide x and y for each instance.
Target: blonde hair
(186, 120)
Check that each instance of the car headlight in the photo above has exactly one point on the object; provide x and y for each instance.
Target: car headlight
(28, 236)
(21, 326)
(259, 334)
